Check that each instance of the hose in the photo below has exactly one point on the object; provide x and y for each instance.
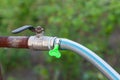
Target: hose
(98, 62)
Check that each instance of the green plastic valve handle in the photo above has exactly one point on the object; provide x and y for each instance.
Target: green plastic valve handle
(55, 52)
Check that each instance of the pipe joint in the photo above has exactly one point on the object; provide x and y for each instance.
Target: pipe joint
(41, 43)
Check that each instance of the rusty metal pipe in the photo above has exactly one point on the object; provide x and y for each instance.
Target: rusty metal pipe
(14, 42)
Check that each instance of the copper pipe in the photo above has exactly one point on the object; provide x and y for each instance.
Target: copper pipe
(14, 42)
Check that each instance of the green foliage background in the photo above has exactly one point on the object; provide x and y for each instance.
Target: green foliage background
(89, 22)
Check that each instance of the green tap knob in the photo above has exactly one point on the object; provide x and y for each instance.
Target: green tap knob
(55, 52)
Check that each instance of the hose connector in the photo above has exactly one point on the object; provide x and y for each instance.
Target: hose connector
(55, 51)
(41, 43)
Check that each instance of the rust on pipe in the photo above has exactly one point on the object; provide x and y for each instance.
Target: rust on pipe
(14, 42)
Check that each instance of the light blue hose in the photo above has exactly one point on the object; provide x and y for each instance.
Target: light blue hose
(98, 62)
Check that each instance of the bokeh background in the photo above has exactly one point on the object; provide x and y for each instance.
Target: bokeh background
(93, 23)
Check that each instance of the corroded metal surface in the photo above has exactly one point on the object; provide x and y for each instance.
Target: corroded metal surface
(14, 42)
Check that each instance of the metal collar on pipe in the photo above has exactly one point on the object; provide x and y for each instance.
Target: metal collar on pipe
(41, 43)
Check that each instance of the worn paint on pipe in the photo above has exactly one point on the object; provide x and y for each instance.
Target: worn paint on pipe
(14, 42)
